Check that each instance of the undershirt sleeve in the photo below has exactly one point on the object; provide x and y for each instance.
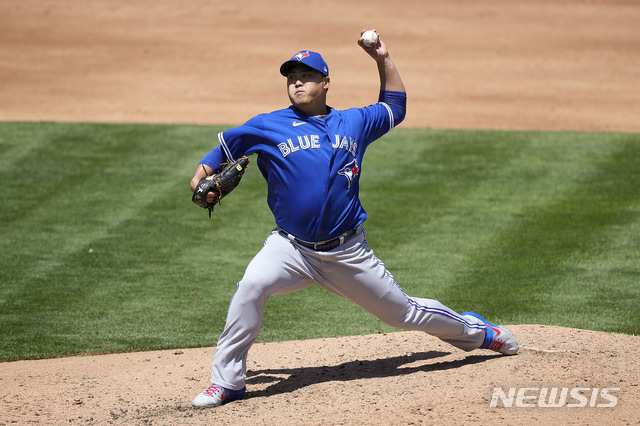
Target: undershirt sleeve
(397, 104)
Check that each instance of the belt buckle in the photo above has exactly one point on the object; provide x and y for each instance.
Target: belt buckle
(330, 243)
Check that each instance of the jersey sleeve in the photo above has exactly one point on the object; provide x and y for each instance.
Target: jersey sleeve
(383, 116)
(235, 143)
(214, 159)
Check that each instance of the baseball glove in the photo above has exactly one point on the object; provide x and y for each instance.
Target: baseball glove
(220, 184)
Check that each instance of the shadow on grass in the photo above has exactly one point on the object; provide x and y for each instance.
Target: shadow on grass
(287, 380)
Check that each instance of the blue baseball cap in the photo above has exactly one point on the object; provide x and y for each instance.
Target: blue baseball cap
(306, 57)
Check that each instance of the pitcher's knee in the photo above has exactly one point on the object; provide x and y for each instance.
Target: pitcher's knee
(251, 292)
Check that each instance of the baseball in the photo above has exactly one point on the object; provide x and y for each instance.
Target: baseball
(369, 38)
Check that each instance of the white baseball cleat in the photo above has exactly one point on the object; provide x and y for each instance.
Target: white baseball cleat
(496, 338)
(216, 395)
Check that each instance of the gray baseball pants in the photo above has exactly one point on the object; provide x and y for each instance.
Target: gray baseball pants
(282, 266)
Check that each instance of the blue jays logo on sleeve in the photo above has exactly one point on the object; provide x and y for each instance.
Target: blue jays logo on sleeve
(350, 171)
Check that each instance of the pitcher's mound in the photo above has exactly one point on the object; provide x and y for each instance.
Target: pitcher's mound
(395, 378)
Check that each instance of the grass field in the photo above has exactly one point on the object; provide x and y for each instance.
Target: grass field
(103, 251)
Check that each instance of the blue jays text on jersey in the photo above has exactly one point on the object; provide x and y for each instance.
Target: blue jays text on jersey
(312, 165)
(313, 141)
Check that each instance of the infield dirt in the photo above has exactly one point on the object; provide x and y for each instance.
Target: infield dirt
(546, 65)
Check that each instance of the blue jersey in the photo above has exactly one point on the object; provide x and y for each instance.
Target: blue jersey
(312, 165)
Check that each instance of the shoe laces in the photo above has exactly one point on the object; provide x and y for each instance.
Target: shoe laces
(212, 390)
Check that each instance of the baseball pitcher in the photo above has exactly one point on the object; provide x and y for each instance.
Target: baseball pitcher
(311, 156)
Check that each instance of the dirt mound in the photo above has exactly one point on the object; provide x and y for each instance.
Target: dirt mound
(395, 378)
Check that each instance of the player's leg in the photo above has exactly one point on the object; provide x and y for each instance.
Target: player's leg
(362, 278)
(276, 269)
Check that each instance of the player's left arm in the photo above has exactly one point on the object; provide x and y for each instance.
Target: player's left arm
(392, 91)
(389, 76)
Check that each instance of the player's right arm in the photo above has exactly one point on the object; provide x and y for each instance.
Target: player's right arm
(234, 143)
(201, 171)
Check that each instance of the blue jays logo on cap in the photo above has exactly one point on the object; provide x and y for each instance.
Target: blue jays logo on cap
(306, 57)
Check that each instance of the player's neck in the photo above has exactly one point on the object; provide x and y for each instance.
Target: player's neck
(319, 112)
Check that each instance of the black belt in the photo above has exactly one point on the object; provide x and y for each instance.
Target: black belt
(324, 245)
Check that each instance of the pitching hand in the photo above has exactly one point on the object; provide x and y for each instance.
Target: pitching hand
(377, 51)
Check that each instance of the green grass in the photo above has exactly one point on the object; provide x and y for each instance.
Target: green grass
(103, 251)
